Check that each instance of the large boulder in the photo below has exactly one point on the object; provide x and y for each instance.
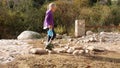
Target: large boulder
(28, 35)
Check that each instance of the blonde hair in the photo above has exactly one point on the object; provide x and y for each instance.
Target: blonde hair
(51, 5)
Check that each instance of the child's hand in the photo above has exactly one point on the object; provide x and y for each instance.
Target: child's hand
(50, 27)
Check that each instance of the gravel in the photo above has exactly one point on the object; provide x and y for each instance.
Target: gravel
(11, 48)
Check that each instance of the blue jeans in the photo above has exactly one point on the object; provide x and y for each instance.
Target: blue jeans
(51, 37)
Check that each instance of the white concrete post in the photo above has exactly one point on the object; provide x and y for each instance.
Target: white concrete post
(79, 28)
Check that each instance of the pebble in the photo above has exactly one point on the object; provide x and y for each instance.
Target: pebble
(76, 52)
(70, 50)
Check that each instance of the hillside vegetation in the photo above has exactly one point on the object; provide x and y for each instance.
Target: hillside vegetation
(19, 15)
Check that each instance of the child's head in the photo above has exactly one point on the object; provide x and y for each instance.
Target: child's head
(52, 6)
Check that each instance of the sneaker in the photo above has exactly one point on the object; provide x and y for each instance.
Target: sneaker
(47, 43)
(49, 47)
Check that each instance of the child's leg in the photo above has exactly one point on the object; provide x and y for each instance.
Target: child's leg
(49, 38)
(48, 45)
(48, 42)
(54, 35)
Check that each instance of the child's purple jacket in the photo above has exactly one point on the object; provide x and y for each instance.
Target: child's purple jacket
(48, 19)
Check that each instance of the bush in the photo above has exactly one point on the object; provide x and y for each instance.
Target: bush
(68, 12)
(15, 18)
(115, 15)
(95, 16)
(64, 15)
(21, 18)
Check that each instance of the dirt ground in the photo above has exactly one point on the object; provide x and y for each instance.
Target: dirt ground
(98, 60)
(66, 61)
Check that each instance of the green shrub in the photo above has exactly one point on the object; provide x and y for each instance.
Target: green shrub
(20, 18)
(60, 29)
(15, 18)
(68, 12)
(115, 15)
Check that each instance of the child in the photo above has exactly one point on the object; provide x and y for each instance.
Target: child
(49, 24)
(50, 36)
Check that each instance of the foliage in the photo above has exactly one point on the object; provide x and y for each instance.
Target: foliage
(16, 17)
(21, 17)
